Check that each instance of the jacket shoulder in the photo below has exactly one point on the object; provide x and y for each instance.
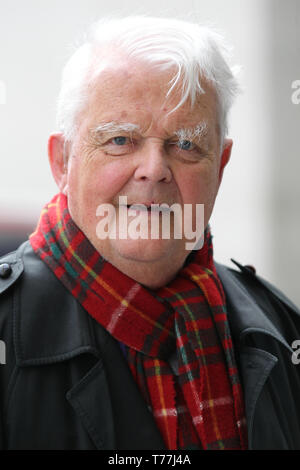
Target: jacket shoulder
(256, 286)
(11, 267)
(35, 306)
(12, 270)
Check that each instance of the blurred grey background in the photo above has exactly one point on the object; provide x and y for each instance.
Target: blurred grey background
(256, 218)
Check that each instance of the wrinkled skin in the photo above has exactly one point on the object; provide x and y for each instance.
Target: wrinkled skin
(148, 166)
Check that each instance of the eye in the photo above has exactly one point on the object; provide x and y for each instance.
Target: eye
(186, 145)
(119, 145)
(187, 150)
(119, 140)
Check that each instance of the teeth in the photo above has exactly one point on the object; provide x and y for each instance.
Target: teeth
(138, 207)
(153, 207)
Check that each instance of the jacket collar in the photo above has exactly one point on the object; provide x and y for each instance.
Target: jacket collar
(47, 328)
(246, 316)
(41, 337)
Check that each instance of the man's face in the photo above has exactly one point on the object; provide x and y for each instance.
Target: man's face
(146, 155)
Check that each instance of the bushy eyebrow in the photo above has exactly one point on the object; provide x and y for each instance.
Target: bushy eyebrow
(114, 126)
(197, 132)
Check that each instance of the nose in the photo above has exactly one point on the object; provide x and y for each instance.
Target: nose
(153, 164)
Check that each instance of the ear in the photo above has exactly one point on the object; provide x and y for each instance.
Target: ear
(57, 160)
(226, 152)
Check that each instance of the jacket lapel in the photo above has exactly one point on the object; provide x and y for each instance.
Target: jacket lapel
(91, 401)
(255, 368)
(110, 405)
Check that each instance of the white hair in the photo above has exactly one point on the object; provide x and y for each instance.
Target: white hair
(196, 51)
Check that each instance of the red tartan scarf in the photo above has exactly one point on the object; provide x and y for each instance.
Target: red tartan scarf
(200, 404)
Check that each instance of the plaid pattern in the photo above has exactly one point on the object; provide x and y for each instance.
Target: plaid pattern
(201, 404)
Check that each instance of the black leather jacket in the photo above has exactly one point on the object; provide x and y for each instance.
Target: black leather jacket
(66, 385)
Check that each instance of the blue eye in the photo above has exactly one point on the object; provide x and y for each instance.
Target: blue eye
(120, 140)
(186, 144)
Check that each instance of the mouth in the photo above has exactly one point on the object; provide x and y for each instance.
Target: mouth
(152, 207)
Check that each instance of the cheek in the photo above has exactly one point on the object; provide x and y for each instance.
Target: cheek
(107, 181)
(198, 187)
(90, 185)
(99, 182)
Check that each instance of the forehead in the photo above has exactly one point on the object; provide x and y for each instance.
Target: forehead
(136, 92)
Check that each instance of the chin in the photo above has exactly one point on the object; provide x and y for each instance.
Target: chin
(145, 250)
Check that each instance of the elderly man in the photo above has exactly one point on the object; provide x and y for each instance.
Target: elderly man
(118, 336)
